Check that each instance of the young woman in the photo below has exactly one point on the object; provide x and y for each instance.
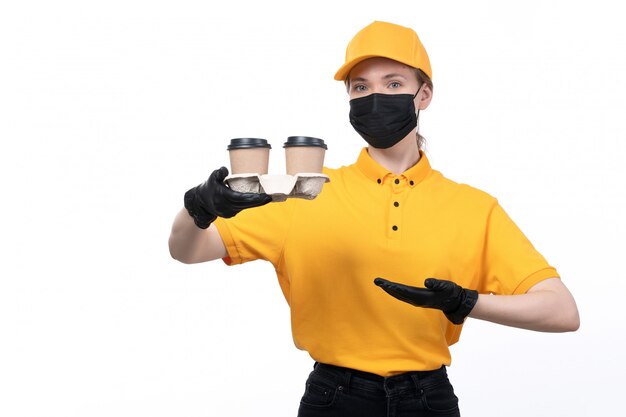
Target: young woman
(383, 267)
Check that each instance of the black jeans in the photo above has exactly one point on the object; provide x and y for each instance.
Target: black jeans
(332, 391)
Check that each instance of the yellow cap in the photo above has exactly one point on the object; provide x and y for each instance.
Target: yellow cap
(382, 39)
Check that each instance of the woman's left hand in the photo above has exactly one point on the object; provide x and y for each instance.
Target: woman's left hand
(455, 301)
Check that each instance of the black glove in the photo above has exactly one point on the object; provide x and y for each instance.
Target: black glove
(213, 199)
(456, 302)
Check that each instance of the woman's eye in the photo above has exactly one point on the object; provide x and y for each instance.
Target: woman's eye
(359, 88)
(394, 84)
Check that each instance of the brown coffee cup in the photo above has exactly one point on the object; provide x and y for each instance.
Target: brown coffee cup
(304, 154)
(249, 156)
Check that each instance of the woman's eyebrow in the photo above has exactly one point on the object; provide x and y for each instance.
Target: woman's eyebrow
(385, 77)
(393, 75)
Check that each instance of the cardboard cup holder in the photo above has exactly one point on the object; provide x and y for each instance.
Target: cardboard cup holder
(280, 187)
(249, 159)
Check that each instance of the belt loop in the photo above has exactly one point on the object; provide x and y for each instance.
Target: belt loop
(418, 385)
(346, 381)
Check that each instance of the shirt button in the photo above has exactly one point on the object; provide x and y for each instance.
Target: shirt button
(378, 181)
(395, 228)
(411, 182)
(396, 204)
(397, 181)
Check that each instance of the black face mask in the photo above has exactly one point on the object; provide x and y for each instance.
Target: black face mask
(383, 119)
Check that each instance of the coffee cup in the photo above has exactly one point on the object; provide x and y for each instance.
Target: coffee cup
(304, 154)
(249, 156)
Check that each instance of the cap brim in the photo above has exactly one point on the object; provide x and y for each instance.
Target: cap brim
(345, 69)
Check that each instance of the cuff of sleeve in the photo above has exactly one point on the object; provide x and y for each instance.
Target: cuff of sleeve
(234, 257)
(535, 278)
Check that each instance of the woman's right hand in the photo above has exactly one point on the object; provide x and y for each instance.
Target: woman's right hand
(213, 199)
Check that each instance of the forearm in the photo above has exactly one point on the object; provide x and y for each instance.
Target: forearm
(549, 307)
(190, 244)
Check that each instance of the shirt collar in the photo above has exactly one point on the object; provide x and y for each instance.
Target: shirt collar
(377, 173)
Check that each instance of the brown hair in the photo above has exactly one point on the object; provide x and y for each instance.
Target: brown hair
(422, 78)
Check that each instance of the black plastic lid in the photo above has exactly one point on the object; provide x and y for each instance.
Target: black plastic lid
(246, 143)
(304, 141)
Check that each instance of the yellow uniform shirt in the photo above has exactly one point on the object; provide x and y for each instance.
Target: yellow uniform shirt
(369, 223)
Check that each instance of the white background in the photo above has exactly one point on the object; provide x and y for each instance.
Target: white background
(109, 111)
